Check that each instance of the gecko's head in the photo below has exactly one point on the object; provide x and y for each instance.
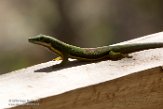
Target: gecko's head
(41, 40)
(49, 42)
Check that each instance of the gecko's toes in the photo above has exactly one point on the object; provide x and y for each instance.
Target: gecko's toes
(57, 58)
(127, 56)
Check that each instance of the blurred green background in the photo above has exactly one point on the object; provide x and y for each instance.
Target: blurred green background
(85, 23)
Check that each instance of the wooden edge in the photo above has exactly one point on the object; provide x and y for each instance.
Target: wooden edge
(141, 90)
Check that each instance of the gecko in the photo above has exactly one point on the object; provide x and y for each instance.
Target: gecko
(110, 52)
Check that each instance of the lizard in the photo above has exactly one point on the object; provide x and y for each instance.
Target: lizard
(111, 52)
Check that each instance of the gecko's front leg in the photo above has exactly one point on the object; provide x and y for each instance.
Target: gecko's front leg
(64, 59)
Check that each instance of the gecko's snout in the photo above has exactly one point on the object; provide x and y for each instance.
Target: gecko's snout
(30, 39)
(33, 39)
(38, 38)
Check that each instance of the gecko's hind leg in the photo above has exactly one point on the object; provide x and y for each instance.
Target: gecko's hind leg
(117, 55)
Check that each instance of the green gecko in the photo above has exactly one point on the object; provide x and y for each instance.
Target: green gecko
(66, 51)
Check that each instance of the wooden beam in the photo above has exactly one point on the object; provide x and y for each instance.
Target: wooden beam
(128, 83)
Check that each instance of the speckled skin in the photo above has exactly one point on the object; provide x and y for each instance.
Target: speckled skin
(90, 54)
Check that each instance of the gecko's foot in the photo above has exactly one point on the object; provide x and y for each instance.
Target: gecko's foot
(127, 56)
(58, 58)
(63, 62)
(118, 55)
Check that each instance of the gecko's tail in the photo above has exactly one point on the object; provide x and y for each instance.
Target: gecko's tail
(129, 48)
